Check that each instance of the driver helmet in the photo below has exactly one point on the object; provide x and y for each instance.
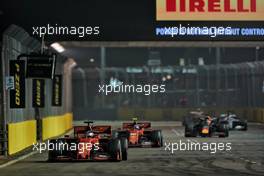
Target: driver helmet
(223, 115)
(137, 127)
(89, 134)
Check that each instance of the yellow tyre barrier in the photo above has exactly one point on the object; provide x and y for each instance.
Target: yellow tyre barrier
(21, 135)
(56, 125)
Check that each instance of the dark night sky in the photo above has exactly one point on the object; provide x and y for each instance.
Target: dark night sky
(127, 20)
(115, 17)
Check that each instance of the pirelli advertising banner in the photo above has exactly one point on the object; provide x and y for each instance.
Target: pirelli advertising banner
(57, 90)
(210, 10)
(17, 96)
(38, 93)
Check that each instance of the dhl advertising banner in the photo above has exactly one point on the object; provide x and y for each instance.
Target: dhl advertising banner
(210, 10)
(38, 90)
(17, 96)
(57, 90)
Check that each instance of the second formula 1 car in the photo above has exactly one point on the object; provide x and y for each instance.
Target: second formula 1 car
(140, 134)
(235, 122)
(205, 126)
(94, 143)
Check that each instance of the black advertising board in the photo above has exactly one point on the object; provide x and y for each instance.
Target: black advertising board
(57, 90)
(40, 67)
(18, 96)
(38, 93)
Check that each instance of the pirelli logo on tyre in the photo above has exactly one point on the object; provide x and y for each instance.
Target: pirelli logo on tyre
(210, 10)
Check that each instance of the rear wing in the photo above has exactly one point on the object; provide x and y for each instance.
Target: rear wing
(131, 124)
(81, 130)
(106, 129)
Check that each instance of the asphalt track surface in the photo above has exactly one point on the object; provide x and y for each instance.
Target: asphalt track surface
(245, 158)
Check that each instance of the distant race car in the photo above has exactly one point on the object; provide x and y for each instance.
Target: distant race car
(234, 122)
(190, 115)
(205, 126)
(139, 134)
(94, 143)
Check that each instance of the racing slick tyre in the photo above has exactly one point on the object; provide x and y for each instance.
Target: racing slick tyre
(115, 149)
(51, 157)
(124, 147)
(115, 134)
(225, 130)
(245, 127)
(161, 141)
(55, 152)
(156, 138)
(190, 131)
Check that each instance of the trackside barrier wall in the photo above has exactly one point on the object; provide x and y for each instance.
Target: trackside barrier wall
(156, 114)
(21, 135)
(56, 125)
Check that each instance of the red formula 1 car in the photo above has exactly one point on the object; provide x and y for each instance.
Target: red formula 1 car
(139, 134)
(94, 143)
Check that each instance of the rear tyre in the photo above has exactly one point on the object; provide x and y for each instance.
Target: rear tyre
(226, 133)
(245, 127)
(156, 138)
(187, 132)
(54, 153)
(115, 149)
(190, 131)
(124, 147)
(225, 130)
(115, 134)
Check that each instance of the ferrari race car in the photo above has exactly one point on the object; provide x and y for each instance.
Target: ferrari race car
(139, 134)
(94, 143)
(205, 126)
(234, 122)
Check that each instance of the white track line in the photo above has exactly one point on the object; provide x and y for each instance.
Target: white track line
(18, 159)
(25, 156)
(176, 132)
